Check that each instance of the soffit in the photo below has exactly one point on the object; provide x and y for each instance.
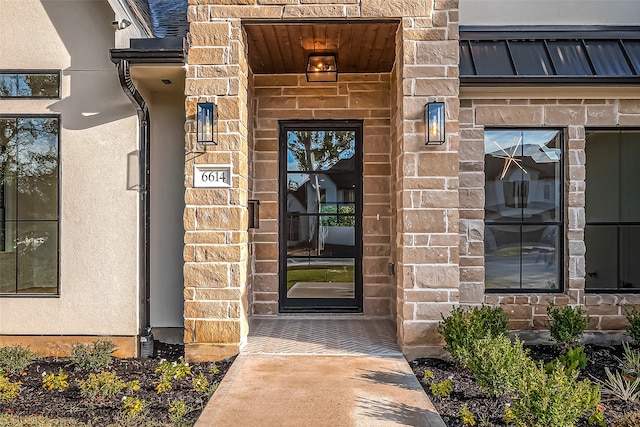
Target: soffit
(283, 48)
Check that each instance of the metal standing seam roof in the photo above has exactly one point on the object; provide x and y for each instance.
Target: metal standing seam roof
(550, 56)
(162, 18)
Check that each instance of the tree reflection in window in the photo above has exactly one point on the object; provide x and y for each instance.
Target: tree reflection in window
(29, 85)
(29, 201)
(523, 209)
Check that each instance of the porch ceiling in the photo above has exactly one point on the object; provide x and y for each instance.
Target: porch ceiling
(283, 48)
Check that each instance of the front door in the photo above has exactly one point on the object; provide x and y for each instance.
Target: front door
(320, 216)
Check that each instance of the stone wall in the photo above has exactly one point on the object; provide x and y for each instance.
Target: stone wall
(354, 96)
(573, 115)
(426, 186)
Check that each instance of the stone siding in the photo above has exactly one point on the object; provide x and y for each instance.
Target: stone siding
(354, 96)
(528, 311)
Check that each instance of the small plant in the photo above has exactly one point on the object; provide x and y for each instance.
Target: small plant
(200, 384)
(132, 405)
(567, 325)
(8, 390)
(622, 387)
(427, 375)
(571, 360)
(631, 419)
(214, 369)
(496, 363)
(55, 382)
(15, 358)
(94, 356)
(177, 411)
(630, 361)
(441, 389)
(466, 416)
(133, 386)
(597, 417)
(633, 328)
(555, 399)
(171, 371)
(462, 328)
(103, 385)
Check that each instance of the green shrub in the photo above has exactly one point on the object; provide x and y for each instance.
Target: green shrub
(94, 356)
(573, 359)
(8, 390)
(555, 399)
(633, 328)
(632, 419)
(462, 328)
(567, 324)
(15, 358)
(441, 389)
(103, 385)
(496, 363)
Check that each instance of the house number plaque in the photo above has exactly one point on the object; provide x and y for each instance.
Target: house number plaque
(212, 176)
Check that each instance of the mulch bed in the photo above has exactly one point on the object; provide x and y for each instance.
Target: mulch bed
(489, 410)
(36, 400)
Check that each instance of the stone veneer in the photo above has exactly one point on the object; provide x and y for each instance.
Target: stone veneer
(354, 96)
(573, 115)
(413, 188)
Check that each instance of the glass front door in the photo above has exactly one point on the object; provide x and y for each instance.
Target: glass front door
(321, 216)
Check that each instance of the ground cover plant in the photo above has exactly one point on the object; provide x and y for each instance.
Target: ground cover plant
(497, 381)
(94, 389)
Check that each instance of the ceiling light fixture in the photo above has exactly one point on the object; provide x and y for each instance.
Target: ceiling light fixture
(322, 67)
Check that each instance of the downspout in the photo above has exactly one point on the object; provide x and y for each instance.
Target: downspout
(146, 337)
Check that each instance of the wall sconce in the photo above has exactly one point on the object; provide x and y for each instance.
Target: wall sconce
(434, 123)
(322, 67)
(207, 130)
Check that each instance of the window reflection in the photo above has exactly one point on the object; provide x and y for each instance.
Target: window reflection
(29, 205)
(522, 209)
(28, 85)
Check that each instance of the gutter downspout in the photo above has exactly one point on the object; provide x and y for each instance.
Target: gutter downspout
(146, 337)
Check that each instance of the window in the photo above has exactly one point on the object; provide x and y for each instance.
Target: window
(612, 210)
(523, 210)
(29, 205)
(29, 85)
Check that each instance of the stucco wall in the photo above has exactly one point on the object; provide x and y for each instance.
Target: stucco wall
(549, 12)
(98, 232)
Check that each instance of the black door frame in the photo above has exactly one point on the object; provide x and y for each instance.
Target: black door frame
(336, 305)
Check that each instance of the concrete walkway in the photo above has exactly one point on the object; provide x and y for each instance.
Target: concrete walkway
(320, 372)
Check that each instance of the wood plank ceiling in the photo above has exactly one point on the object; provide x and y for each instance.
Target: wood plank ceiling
(361, 47)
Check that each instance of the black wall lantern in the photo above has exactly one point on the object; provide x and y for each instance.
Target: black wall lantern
(322, 67)
(207, 116)
(434, 123)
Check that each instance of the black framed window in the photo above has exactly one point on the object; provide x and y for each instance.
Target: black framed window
(612, 210)
(523, 210)
(29, 153)
(36, 84)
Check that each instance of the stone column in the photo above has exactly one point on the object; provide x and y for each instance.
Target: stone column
(427, 180)
(216, 220)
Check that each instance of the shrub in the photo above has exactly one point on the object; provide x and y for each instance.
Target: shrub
(555, 399)
(103, 385)
(462, 328)
(441, 389)
(567, 324)
(632, 419)
(171, 371)
(633, 328)
(55, 382)
(8, 390)
(94, 356)
(496, 363)
(132, 405)
(15, 358)
(573, 359)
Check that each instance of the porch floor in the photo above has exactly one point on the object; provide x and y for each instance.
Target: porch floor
(319, 371)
